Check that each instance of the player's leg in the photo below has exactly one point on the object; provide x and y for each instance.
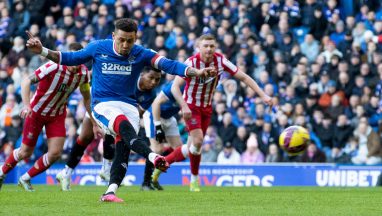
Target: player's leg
(196, 126)
(118, 172)
(32, 128)
(108, 155)
(149, 167)
(195, 158)
(56, 133)
(123, 119)
(173, 138)
(84, 139)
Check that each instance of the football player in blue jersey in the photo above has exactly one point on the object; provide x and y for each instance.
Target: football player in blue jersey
(148, 80)
(117, 65)
(161, 126)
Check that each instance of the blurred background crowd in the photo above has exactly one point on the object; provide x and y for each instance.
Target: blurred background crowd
(319, 59)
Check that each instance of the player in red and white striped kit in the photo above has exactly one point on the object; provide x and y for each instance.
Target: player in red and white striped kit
(197, 97)
(47, 108)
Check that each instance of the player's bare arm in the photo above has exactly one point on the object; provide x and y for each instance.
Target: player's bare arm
(160, 99)
(205, 72)
(253, 85)
(35, 45)
(175, 90)
(85, 91)
(25, 94)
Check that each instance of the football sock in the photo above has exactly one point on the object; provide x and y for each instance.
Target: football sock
(195, 158)
(194, 178)
(175, 156)
(108, 149)
(26, 177)
(40, 166)
(149, 169)
(129, 136)
(120, 163)
(68, 170)
(11, 161)
(112, 189)
(167, 151)
(76, 154)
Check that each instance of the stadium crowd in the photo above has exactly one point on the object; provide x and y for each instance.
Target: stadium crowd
(318, 59)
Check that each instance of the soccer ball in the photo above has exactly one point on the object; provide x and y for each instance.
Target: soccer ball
(294, 140)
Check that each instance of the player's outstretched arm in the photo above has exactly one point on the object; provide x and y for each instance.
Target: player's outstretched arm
(177, 68)
(177, 93)
(253, 85)
(85, 91)
(35, 45)
(63, 58)
(25, 94)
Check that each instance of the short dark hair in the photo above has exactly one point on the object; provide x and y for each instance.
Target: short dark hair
(75, 46)
(126, 25)
(147, 69)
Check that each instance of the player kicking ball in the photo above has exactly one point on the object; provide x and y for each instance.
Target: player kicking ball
(148, 80)
(117, 65)
(47, 109)
(197, 96)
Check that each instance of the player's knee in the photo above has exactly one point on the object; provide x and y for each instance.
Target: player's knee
(25, 152)
(85, 140)
(197, 141)
(54, 156)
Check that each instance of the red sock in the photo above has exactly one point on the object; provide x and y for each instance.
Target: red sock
(195, 163)
(118, 120)
(40, 166)
(11, 161)
(175, 156)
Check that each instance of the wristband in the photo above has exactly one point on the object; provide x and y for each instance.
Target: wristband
(157, 123)
(44, 52)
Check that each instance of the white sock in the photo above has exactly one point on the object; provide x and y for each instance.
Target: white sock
(68, 171)
(194, 150)
(106, 164)
(184, 150)
(112, 188)
(152, 156)
(26, 177)
(194, 177)
(1, 171)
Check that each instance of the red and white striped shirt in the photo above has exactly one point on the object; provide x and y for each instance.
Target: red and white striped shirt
(199, 91)
(55, 85)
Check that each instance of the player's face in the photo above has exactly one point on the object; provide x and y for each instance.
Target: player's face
(150, 80)
(124, 41)
(207, 48)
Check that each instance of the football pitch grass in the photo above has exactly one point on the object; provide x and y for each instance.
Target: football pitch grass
(177, 200)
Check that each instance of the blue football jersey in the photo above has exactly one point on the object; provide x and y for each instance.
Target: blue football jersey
(114, 76)
(171, 107)
(145, 98)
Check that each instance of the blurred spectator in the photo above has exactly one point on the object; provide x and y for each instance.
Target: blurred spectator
(310, 48)
(208, 153)
(369, 145)
(227, 131)
(313, 154)
(273, 154)
(9, 109)
(228, 155)
(252, 154)
(240, 140)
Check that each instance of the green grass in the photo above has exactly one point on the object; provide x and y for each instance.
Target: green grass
(176, 200)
